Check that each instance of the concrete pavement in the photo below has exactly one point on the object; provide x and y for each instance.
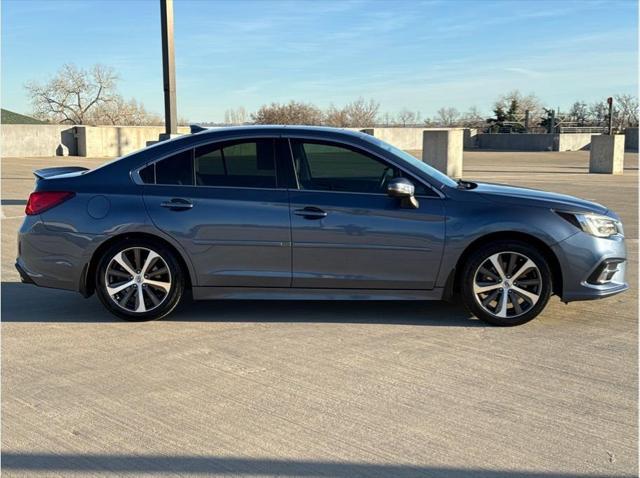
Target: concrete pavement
(323, 389)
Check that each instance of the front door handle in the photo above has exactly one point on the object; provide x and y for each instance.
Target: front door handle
(310, 212)
(177, 204)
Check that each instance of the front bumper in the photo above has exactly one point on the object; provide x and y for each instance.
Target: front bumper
(581, 257)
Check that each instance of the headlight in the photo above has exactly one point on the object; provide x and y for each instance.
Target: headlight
(594, 224)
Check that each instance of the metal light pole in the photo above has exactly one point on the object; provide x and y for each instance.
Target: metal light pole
(168, 68)
(610, 103)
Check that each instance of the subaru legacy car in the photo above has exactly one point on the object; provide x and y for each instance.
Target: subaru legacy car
(283, 212)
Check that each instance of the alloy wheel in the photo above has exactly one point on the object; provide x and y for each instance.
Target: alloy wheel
(138, 279)
(507, 284)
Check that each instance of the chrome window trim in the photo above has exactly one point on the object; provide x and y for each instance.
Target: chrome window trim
(212, 187)
(324, 191)
(134, 174)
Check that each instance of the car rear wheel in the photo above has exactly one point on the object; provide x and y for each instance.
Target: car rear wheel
(506, 283)
(139, 280)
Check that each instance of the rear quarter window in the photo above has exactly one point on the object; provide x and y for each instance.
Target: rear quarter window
(176, 169)
(148, 174)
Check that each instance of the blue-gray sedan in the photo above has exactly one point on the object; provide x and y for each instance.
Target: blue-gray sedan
(279, 212)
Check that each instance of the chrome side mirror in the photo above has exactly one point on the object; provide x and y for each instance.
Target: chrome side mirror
(403, 189)
(400, 188)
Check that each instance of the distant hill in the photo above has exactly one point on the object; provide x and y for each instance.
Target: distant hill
(9, 117)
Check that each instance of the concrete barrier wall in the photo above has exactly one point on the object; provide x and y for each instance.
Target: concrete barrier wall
(114, 141)
(403, 138)
(34, 140)
(575, 141)
(535, 142)
(411, 138)
(517, 142)
(443, 149)
(607, 154)
(470, 138)
(26, 140)
(631, 139)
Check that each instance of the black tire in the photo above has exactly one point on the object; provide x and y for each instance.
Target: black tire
(516, 295)
(168, 301)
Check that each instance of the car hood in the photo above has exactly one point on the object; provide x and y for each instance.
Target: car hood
(533, 197)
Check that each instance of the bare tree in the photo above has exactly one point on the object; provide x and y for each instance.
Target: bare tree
(235, 116)
(627, 111)
(579, 113)
(598, 112)
(78, 96)
(361, 113)
(290, 113)
(357, 114)
(473, 118)
(517, 104)
(72, 93)
(405, 117)
(448, 116)
(430, 122)
(117, 111)
(336, 117)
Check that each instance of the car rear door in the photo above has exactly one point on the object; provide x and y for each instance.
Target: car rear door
(348, 233)
(224, 204)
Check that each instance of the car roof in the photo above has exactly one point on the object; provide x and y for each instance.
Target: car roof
(279, 129)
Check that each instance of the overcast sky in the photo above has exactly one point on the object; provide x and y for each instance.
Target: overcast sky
(421, 55)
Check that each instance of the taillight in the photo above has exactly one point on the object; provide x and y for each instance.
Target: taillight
(41, 201)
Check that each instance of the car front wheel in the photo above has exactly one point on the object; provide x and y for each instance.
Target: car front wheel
(506, 283)
(138, 280)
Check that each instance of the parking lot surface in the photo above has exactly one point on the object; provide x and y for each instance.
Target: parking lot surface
(323, 389)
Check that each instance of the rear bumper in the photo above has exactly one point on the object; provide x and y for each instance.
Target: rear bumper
(580, 257)
(51, 258)
(25, 278)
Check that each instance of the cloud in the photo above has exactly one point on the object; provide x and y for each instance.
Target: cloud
(525, 72)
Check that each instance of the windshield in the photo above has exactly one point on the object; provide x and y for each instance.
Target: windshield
(425, 168)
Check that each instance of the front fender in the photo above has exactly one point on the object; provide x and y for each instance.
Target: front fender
(466, 223)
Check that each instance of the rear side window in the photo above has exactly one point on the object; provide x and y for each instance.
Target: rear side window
(247, 164)
(176, 169)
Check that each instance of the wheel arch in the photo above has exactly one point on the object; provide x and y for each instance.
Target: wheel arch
(453, 281)
(87, 281)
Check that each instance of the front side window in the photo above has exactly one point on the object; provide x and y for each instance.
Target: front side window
(329, 167)
(248, 164)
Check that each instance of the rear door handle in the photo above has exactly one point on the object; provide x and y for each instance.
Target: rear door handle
(177, 204)
(310, 212)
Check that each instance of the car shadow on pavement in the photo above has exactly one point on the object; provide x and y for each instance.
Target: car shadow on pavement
(236, 466)
(26, 303)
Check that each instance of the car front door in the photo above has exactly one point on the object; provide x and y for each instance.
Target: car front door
(224, 204)
(348, 233)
